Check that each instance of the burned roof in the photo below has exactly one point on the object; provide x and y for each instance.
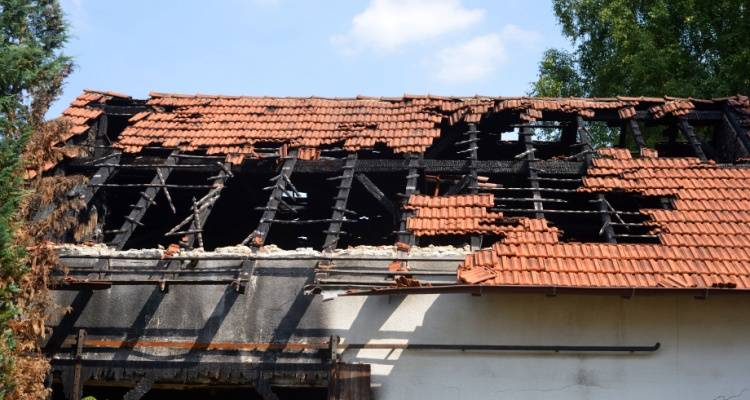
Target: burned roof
(421, 170)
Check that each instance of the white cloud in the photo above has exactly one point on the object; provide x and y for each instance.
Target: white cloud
(479, 58)
(390, 24)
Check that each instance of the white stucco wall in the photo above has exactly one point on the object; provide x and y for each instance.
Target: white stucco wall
(705, 351)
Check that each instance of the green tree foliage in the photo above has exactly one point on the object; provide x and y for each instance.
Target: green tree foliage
(558, 76)
(681, 48)
(32, 68)
(696, 48)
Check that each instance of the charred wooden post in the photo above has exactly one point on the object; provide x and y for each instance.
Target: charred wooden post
(339, 208)
(404, 236)
(525, 136)
(133, 219)
(258, 237)
(102, 140)
(689, 133)
(607, 230)
(247, 268)
(635, 130)
(585, 138)
(77, 387)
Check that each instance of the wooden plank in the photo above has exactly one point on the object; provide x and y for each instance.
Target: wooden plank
(334, 229)
(144, 202)
(258, 237)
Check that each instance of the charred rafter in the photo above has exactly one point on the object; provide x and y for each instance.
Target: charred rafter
(689, 133)
(378, 194)
(339, 208)
(404, 236)
(280, 182)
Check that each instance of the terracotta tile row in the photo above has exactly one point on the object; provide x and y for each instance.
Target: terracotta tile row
(355, 121)
(475, 200)
(452, 215)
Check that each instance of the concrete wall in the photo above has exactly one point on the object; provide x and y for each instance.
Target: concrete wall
(705, 351)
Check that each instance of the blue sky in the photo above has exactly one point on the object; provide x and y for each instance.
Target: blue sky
(303, 48)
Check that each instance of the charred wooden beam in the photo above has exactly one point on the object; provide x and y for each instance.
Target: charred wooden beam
(77, 385)
(144, 202)
(736, 127)
(607, 231)
(339, 207)
(247, 268)
(430, 166)
(88, 192)
(258, 237)
(525, 136)
(635, 130)
(102, 139)
(585, 138)
(378, 194)
(412, 178)
(689, 133)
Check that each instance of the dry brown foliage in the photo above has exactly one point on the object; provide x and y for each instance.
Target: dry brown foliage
(50, 210)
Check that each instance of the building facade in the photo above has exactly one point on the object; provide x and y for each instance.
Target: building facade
(411, 247)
